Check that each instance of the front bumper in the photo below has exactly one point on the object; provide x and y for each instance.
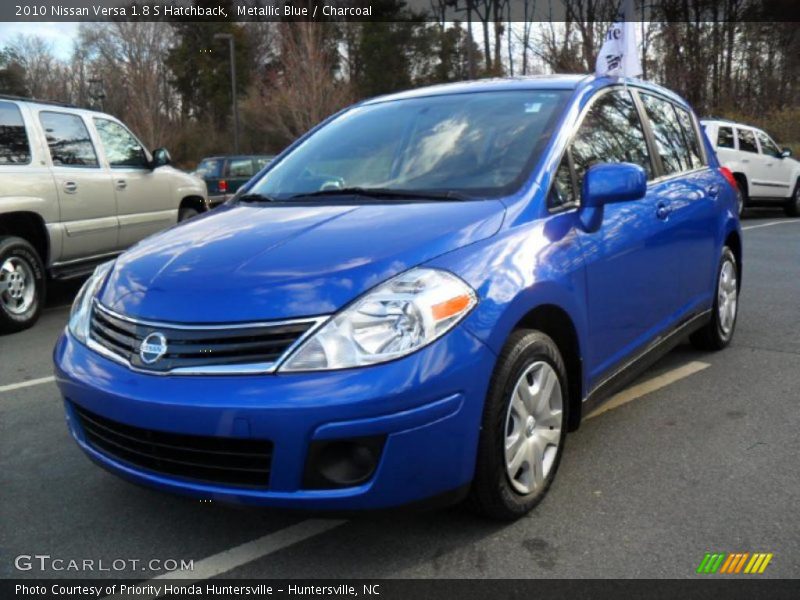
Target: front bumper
(428, 405)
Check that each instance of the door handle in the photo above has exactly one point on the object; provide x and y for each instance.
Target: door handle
(662, 211)
(713, 190)
(121, 184)
(70, 187)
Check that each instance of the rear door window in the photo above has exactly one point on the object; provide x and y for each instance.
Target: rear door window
(670, 141)
(690, 133)
(14, 146)
(725, 137)
(747, 140)
(68, 140)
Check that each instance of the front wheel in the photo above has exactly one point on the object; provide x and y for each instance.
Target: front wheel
(22, 284)
(718, 332)
(523, 429)
(792, 207)
(187, 213)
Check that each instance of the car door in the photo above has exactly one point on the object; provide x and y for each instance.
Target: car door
(626, 255)
(85, 191)
(777, 171)
(690, 192)
(755, 163)
(144, 202)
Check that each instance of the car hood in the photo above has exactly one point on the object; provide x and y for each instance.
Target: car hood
(265, 262)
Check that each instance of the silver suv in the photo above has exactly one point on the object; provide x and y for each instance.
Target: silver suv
(76, 187)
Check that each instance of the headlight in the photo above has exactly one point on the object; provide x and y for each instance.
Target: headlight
(81, 313)
(397, 318)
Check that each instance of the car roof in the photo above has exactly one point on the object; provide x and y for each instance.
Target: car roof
(532, 82)
(229, 156)
(54, 105)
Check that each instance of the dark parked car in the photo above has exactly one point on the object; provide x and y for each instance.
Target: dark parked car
(226, 174)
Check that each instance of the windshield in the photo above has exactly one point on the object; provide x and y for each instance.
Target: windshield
(209, 167)
(478, 144)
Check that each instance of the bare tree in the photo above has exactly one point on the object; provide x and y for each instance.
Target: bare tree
(305, 89)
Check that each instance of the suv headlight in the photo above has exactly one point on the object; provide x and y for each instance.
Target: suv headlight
(81, 313)
(396, 318)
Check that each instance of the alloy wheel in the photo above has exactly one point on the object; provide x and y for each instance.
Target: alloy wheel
(17, 285)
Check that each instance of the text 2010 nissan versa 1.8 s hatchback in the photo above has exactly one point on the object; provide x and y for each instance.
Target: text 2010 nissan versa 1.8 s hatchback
(415, 301)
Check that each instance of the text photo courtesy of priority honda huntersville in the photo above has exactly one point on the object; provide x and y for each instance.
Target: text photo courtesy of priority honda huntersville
(415, 302)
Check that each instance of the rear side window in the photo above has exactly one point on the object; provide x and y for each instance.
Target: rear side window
(725, 137)
(14, 147)
(240, 167)
(747, 141)
(68, 140)
(690, 133)
(122, 149)
(670, 141)
(611, 132)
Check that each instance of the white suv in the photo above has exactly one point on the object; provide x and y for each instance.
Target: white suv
(76, 187)
(767, 175)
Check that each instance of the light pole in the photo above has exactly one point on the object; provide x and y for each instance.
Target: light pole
(232, 47)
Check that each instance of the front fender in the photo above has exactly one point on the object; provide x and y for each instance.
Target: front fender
(518, 270)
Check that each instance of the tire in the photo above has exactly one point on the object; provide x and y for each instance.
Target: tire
(22, 284)
(187, 213)
(792, 207)
(718, 332)
(529, 358)
(742, 198)
(739, 202)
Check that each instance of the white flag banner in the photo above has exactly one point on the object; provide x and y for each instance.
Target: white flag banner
(619, 56)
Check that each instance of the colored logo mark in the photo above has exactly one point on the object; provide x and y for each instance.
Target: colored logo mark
(734, 563)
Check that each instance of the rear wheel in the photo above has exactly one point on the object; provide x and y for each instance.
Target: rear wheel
(741, 195)
(792, 207)
(719, 331)
(523, 429)
(22, 284)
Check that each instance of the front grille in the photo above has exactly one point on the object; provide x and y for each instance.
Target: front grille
(196, 349)
(219, 460)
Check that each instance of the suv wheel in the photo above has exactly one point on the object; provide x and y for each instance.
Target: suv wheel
(187, 213)
(719, 331)
(792, 207)
(739, 202)
(524, 427)
(22, 284)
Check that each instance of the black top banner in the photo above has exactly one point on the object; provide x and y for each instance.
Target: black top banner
(396, 10)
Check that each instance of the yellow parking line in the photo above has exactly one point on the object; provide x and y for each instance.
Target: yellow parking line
(651, 385)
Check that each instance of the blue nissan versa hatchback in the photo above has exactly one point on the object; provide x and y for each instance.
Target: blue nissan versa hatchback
(414, 302)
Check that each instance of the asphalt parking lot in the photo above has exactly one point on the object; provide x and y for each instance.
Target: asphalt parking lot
(701, 455)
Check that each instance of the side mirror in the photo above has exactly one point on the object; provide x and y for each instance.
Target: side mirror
(607, 183)
(161, 158)
(786, 153)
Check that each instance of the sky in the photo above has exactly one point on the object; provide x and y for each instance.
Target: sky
(60, 35)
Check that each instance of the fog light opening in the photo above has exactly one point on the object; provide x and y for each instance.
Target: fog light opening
(342, 463)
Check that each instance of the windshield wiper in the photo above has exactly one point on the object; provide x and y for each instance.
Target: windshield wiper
(386, 193)
(255, 198)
